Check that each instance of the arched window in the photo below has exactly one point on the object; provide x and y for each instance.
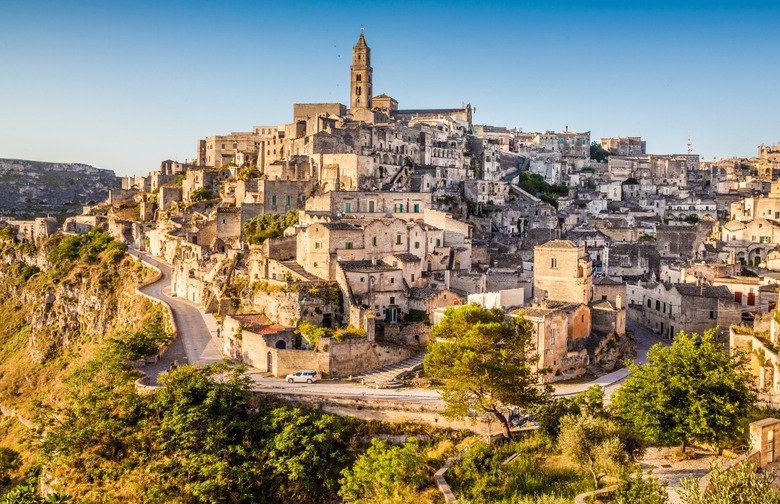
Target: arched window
(358, 77)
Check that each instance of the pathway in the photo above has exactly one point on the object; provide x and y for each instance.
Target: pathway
(197, 342)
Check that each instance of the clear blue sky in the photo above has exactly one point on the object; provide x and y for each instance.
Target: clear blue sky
(124, 85)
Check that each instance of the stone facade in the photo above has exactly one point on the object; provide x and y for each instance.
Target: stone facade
(562, 272)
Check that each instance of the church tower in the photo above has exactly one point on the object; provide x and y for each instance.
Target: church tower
(360, 88)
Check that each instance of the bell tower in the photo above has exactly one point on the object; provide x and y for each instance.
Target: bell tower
(360, 87)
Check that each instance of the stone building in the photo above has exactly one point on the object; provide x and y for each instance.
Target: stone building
(556, 327)
(562, 272)
(625, 146)
(667, 309)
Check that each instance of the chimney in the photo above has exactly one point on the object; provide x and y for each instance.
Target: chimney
(373, 261)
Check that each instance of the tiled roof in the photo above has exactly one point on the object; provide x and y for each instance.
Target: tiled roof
(558, 244)
(708, 291)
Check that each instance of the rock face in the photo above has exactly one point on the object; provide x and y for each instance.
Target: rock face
(35, 188)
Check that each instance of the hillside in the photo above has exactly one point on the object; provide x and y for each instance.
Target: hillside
(71, 414)
(38, 188)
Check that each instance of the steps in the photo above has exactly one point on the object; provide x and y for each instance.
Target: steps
(298, 270)
(387, 375)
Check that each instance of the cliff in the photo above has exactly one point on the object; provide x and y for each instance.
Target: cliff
(37, 188)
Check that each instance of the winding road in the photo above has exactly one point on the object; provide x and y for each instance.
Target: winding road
(197, 343)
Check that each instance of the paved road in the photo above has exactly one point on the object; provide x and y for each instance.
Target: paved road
(198, 344)
(611, 381)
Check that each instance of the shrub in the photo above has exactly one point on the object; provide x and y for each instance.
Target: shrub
(260, 228)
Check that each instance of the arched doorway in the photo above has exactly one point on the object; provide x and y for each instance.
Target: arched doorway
(281, 345)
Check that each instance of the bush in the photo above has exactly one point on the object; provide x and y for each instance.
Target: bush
(201, 194)
(636, 489)
(260, 228)
(10, 461)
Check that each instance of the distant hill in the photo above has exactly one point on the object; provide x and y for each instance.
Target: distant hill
(36, 188)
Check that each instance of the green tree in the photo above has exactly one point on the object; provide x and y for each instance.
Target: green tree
(204, 437)
(487, 362)
(259, 229)
(549, 415)
(304, 454)
(9, 462)
(386, 473)
(740, 484)
(599, 445)
(691, 390)
(598, 153)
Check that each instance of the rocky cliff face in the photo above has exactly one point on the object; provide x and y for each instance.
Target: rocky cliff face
(36, 188)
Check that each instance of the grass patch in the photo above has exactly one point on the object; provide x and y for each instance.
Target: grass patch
(533, 476)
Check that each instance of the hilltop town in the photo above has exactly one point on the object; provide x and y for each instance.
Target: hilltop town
(334, 242)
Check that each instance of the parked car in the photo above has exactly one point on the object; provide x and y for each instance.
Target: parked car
(304, 375)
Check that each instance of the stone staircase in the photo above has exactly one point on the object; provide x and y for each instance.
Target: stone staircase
(298, 270)
(388, 376)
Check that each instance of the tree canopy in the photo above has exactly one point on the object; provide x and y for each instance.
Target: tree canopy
(259, 229)
(692, 390)
(598, 153)
(487, 363)
(387, 473)
(597, 444)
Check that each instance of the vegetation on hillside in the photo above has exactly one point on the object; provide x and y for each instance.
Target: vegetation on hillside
(259, 229)
(535, 184)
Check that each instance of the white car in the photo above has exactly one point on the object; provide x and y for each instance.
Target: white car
(304, 375)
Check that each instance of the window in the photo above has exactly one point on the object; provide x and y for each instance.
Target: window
(370, 207)
(392, 280)
(392, 300)
(416, 245)
(657, 305)
(554, 263)
(273, 200)
(438, 242)
(318, 245)
(347, 206)
(397, 239)
(416, 208)
(287, 199)
(373, 241)
(648, 303)
(362, 279)
(553, 335)
(712, 314)
(348, 245)
(412, 277)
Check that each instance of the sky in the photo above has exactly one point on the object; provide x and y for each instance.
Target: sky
(126, 84)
